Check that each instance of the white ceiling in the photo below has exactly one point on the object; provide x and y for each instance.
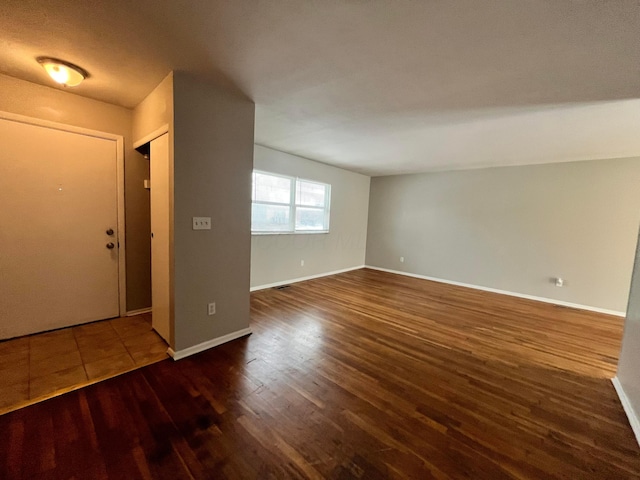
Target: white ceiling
(379, 87)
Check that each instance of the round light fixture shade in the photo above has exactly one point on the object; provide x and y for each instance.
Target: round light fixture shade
(62, 72)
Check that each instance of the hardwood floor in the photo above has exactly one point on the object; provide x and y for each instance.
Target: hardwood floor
(360, 375)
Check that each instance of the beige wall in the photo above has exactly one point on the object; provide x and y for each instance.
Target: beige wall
(629, 362)
(56, 105)
(149, 118)
(155, 111)
(514, 228)
(213, 160)
(276, 258)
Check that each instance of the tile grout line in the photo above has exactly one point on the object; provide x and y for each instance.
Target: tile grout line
(122, 339)
(84, 364)
(124, 345)
(75, 338)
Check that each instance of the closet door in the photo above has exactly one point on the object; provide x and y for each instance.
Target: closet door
(160, 289)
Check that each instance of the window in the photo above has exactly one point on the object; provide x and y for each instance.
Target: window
(282, 204)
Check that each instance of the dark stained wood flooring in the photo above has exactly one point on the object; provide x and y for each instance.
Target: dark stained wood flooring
(360, 375)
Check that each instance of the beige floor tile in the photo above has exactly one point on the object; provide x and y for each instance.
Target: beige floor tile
(50, 337)
(62, 380)
(133, 329)
(51, 347)
(14, 372)
(146, 338)
(13, 346)
(12, 394)
(8, 360)
(109, 366)
(126, 321)
(145, 354)
(92, 328)
(55, 363)
(96, 338)
(108, 348)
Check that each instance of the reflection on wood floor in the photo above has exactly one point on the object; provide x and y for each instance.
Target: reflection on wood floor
(360, 375)
(37, 367)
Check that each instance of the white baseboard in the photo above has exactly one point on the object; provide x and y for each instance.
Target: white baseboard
(504, 292)
(634, 420)
(140, 311)
(302, 279)
(201, 347)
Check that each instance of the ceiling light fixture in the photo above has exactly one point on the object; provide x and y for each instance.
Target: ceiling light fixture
(64, 73)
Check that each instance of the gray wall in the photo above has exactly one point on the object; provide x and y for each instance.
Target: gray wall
(629, 362)
(513, 228)
(276, 258)
(37, 101)
(213, 161)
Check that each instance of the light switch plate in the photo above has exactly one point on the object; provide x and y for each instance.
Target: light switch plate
(202, 223)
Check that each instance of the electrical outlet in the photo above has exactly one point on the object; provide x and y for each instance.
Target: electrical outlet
(302, 263)
(202, 223)
(212, 308)
(559, 282)
(401, 259)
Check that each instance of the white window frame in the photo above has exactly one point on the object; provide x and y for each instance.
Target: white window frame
(293, 206)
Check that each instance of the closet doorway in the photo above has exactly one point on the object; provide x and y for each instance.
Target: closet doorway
(157, 151)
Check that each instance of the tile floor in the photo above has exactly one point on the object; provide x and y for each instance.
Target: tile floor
(40, 366)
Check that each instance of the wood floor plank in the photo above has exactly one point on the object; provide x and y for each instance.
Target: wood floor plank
(362, 375)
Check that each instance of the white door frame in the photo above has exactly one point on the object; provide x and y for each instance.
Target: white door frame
(147, 139)
(152, 136)
(119, 139)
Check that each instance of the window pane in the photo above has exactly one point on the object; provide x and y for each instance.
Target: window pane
(309, 219)
(310, 194)
(269, 188)
(269, 218)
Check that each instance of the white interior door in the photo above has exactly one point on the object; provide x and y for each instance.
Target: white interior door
(160, 292)
(58, 200)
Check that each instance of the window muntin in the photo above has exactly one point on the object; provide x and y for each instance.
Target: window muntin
(282, 204)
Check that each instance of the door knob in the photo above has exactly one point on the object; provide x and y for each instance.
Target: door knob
(110, 245)
(110, 231)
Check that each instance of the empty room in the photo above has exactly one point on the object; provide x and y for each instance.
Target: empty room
(319, 239)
